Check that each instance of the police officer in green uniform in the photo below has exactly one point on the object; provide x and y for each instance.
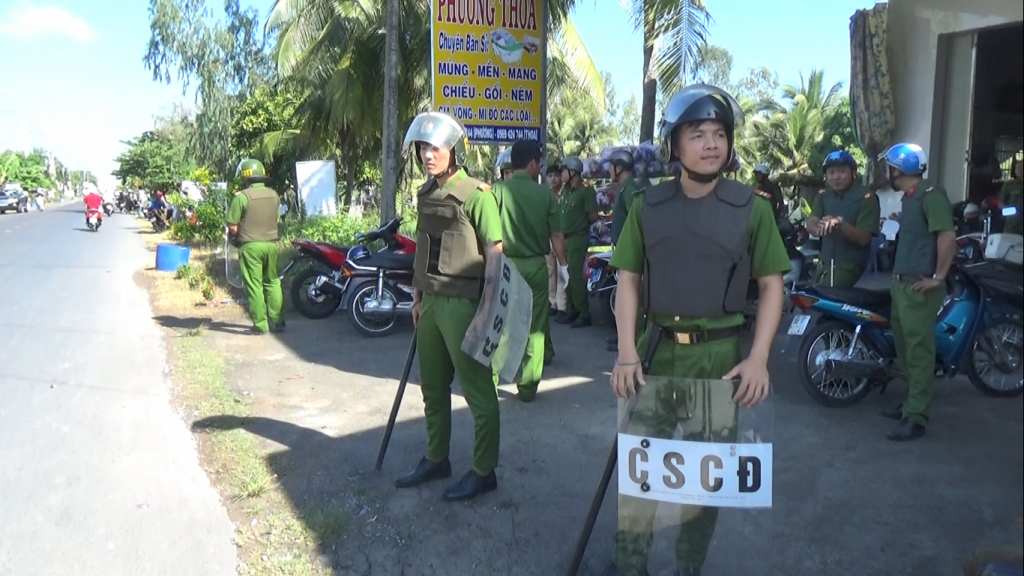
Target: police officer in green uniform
(252, 226)
(530, 227)
(693, 242)
(579, 211)
(925, 247)
(845, 216)
(769, 190)
(458, 231)
(503, 165)
(622, 166)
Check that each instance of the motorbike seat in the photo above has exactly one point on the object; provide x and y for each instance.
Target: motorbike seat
(861, 297)
(388, 261)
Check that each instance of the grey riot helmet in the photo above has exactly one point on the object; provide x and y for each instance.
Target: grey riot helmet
(503, 163)
(573, 164)
(440, 130)
(696, 103)
(623, 159)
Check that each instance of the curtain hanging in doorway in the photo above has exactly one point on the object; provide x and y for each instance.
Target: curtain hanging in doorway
(874, 114)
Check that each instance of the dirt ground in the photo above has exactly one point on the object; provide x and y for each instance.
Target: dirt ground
(318, 396)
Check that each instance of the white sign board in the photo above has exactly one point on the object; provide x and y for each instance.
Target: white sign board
(317, 187)
(696, 473)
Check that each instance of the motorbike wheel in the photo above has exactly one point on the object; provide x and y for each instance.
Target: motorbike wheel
(836, 336)
(365, 325)
(602, 302)
(309, 302)
(996, 351)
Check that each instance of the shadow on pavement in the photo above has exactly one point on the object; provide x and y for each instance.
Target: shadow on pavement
(194, 323)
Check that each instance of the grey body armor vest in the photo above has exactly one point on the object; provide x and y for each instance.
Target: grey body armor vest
(697, 250)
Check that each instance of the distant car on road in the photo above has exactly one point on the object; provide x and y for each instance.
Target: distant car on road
(12, 197)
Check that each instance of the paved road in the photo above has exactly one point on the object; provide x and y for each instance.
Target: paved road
(98, 475)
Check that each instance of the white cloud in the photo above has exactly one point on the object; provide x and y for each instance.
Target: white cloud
(29, 21)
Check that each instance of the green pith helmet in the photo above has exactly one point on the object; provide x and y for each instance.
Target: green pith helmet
(250, 169)
(440, 130)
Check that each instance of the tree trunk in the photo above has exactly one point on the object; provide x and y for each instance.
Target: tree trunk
(650, 95)
(389, 133)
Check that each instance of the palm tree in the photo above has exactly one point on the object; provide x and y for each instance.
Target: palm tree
(673, 31)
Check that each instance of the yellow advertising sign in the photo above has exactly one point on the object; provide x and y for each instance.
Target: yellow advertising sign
(488, 66)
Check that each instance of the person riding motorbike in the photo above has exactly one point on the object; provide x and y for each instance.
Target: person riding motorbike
(845, 215)
(160, 207)
(769, 190)
(94, 204)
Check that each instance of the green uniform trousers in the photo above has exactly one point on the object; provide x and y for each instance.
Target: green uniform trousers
(576, 291)
(443, 323)
(660, 418)
(842, 275)
(258, 263)
(535, 271)
(913, 327)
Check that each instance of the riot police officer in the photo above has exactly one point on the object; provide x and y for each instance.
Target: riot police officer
(925, 249)
(693, 242)
(622, 166)
(252, 226)
(458, 231)
(845, 215)
(579, 211)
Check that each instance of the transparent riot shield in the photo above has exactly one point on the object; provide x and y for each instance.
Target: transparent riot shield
(232, 269)
(497, 336)
(694, 481)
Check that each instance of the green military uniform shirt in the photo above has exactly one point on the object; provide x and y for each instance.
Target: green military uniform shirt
(767, 252)
(925, 211)
(623, 200)
(857, 206)
(576, 204)
(771, 192)
(529, 215)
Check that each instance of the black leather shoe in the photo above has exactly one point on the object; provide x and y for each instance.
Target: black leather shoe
(471, 486)
(425, 472)
(580, 322)
(552, 311)
(906, 430)
(893, 413)
(277, 326)
(565, 318)
(613, 340)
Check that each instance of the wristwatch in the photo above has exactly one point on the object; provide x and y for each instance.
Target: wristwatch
(840, 219)
(939, 278)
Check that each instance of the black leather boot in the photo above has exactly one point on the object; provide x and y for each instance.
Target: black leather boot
(425, 472)
(471, 486)
(565, 317)
(906, 430)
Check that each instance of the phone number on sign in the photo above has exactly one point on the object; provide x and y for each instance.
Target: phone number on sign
(501, 133)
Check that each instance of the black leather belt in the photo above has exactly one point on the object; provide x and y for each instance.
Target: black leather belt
(701, 337)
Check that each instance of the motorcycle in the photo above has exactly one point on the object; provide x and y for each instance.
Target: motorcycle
(108, 207)
(93, 219)
(851, 347)
(602, 286)
(318, 291)
(380, 283)
(159, 224)
(794, 236)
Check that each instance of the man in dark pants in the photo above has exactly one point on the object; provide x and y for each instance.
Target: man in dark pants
(683, 239)
(925, 249)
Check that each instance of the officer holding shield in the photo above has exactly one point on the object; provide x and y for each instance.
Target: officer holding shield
(458, 235)
(530, 228)
(693, 243)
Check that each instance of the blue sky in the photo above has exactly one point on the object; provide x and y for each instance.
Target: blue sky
(73, 79)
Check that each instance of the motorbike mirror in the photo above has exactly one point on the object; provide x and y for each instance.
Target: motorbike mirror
(1010, 211)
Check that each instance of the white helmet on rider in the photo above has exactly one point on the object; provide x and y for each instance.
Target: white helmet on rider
(762, 168)
(971, 210)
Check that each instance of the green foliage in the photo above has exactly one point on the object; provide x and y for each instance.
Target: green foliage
(257, 129)
(29, 170)
(577, 127)
(156, 160)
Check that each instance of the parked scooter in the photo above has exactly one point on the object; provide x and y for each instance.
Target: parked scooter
(794, 236)
(318, 291)
(380, 290)
(851, 347)
(602, 287)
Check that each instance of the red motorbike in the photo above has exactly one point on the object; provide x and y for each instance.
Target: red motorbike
(320, 289)
(93, 219)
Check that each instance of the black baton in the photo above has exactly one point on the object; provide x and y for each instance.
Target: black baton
(609, 468)
(397, 404)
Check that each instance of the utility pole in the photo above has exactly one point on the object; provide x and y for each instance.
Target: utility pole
(389, 133)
